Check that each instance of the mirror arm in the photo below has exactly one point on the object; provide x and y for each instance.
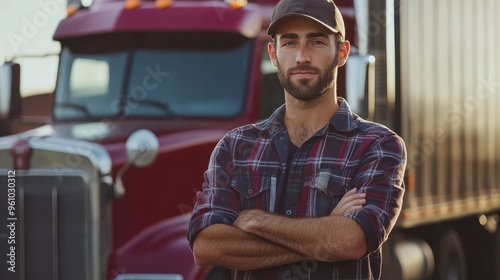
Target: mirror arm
(119, 189)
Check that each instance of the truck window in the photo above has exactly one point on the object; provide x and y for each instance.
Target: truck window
(89, 85)
(190, 76)
(190, 83)
(90, 77)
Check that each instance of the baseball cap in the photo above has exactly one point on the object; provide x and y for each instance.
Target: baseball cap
(324, 12)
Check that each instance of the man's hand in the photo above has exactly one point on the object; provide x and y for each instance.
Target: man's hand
(351, 201)
(248, 217)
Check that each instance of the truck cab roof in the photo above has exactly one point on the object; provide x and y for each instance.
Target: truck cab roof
(108, 16)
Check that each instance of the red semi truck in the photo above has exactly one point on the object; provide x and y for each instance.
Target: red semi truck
(145, 89)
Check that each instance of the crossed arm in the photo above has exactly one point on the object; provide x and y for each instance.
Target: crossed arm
(258, 239)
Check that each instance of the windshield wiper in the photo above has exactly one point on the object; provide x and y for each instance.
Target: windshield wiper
(154, 103)
(78, 107)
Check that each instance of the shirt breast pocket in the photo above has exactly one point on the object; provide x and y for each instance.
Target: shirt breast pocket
(254, 190)
(327, 189)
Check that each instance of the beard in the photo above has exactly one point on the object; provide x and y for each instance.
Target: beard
(306, 89)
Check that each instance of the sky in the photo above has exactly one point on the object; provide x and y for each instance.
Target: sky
(26, 28)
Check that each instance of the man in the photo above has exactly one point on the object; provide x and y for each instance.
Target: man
(313, 191)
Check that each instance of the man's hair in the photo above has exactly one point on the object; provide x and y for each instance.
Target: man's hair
(339, 37)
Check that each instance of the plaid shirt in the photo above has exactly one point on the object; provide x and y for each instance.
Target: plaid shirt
(247, 170)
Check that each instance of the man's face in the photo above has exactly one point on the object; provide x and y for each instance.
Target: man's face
(306, 55)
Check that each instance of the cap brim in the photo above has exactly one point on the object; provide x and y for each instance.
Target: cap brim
(271, 30)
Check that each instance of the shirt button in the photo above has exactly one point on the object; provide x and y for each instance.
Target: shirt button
(281, 137)
(285, 147)
(250, 191)
(289, 212)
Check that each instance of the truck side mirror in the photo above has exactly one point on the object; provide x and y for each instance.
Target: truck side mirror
(360, 85)
(142, 149)
(10, 96)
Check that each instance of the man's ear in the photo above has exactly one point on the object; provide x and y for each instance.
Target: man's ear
(344, 49)
(272, 53)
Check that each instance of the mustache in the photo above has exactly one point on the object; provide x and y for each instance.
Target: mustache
(303, 68)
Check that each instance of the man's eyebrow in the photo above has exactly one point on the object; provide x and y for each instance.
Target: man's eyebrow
(289, 36)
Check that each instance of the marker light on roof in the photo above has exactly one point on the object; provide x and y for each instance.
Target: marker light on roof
(162, 4)
(236, 4)
(71, 10)
(132, 4)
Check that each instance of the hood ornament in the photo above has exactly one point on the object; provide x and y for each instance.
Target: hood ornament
(21, 152)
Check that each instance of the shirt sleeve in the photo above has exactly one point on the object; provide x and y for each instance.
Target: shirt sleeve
(381, 177)
(217, 203)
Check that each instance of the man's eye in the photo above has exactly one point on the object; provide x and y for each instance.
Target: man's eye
(318, 42)
(289, 43)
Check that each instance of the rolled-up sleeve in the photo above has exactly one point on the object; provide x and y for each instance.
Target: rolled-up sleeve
(381, 177)
(217, 202)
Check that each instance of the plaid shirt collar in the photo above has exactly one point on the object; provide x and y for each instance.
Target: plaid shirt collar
(344, 120)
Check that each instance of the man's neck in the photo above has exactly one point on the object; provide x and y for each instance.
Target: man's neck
(304, 118)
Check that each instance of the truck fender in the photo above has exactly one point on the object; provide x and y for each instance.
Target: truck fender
(160, 248)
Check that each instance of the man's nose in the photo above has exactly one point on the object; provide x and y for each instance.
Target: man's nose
(302, 55)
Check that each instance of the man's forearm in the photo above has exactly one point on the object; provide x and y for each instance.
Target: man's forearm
(332, 238)
(231, 247)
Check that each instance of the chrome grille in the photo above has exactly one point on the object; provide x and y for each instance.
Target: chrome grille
(52, 233)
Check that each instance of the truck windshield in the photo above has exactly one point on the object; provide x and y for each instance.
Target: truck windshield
(158, 83)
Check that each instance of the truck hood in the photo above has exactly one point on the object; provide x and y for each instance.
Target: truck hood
(109, 133)
(172, 135)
